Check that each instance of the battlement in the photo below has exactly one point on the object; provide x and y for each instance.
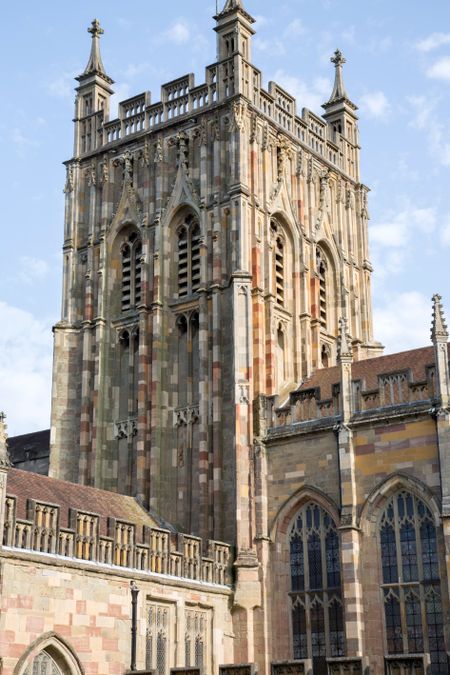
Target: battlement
(39, 526)
(182, 98)
(376, 385)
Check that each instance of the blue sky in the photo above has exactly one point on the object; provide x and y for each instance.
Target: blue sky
(397, 71)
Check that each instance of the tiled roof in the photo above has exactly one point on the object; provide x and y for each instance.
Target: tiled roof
(26, 485)
(368, 370)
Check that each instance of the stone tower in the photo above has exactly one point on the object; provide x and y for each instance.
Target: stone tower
(212, 241)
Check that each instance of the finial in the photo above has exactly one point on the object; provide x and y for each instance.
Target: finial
(5, 462)
(439, 331)
(232, 4)
(339, 91)
(344, 348)
(95, 63)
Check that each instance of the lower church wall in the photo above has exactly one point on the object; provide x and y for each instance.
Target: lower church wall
(86, 610)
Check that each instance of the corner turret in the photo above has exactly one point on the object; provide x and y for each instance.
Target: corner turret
(234, 32)
(439, 338)
(93, 96)
(340, 115)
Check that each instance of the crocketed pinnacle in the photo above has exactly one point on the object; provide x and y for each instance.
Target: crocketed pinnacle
(345, 350)
(339, 91)
(95, 63)
(439, 331)
(232, 4)
(5, 461)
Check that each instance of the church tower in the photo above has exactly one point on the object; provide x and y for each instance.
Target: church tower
(213, 239)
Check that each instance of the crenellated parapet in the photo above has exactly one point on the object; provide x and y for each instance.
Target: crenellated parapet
(88, 537)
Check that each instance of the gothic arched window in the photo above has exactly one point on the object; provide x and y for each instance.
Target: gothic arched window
(188, 256)
(317, 616)
(321, 269)
(411, 582)
(43, 664)
(131, 252)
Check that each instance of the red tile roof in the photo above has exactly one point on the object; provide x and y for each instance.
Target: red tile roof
(26, 485)
(368, 370)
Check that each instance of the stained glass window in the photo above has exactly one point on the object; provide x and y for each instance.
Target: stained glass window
(316, 604)
(410, 580)
(157, 638)
(196, 637)
(43, 664)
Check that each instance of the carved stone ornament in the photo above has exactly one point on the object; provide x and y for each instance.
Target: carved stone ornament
(105, 171)
(68, 187)
(182, 141)
(126, 160)
(144, 154)
(203, 131)
(254, 129)
(324, 198)
(187, 415)
(158, 156)
(243, 393)
(5, 461)
(265, 136)
(216, 127)
(125, 428)
(349, 198)
(310, 171)
(300, 169)
(284, 153)
(238, 112)
(91, 174)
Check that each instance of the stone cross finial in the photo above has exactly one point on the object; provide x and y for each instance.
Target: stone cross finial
(95, 29)
(338, 58)
(344, 347)
(439, 331)
(5, 461)
(339, 91)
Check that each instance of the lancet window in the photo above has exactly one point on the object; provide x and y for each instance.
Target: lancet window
(131, 252)
(321, 269)
(278, 263)
(196, 638)
(188, 256)
(411, 581)
(316, 596)
(157, 644)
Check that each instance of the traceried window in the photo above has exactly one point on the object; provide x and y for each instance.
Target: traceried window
(131, 252)
(321, 268)
(410, 581)
(188, 256)
(196, 638)
(316, 598)
(157, 646)
(43, 664)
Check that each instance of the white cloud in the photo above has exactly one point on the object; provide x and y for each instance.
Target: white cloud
(273, 47)
(426, 118)
(22, 142)
(445, 233)
(376, 105)
(179, 32)
(32, 269)
(433, 41)
(295, 29)
(402, 320)
(308, 96)
(62, 86)
(440, 70)
(25, 370)
(393, 238)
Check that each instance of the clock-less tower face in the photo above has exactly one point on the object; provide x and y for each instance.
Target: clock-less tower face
(213, 240)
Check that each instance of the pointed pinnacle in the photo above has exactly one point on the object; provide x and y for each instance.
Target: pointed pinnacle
(339, 91)
(95, 63)
(439, 329)
(5, 462)
(344, 348)
(232, 4)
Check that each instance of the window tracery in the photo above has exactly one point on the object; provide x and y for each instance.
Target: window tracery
(131, 252)
(157, 638)
(196, 638)
(317, 616)
(43, 664)
(411, 581)
(188, 256)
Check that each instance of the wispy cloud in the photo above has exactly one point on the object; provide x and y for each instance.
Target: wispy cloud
(32, 269)
(22, 142)
(25, 369)
(62, 86)
(179, 32)
(308, 95)
(433, 41)
(295, 28)
(440, 69)
(402, 321)
(376, 105)
(426, 118)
